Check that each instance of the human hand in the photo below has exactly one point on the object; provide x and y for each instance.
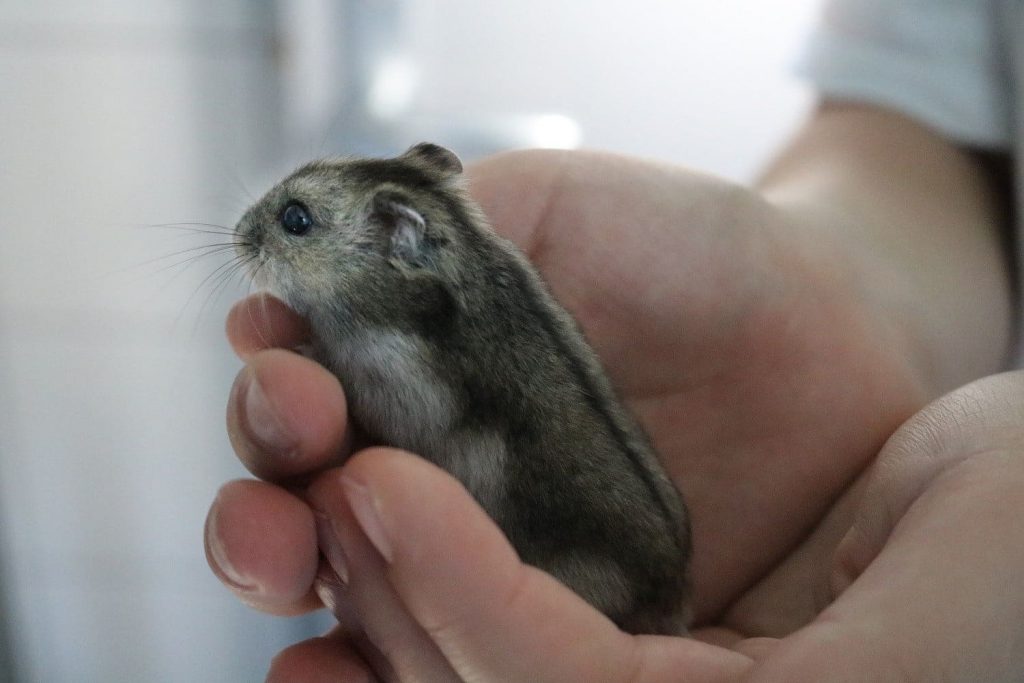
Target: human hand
(765, 385)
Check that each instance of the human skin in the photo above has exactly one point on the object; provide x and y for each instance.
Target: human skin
(781, 346)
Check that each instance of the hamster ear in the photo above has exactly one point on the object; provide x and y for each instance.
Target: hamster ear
(438, 157)
(404, 224)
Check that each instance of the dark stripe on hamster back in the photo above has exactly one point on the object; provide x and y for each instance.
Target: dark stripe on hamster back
(578, 367)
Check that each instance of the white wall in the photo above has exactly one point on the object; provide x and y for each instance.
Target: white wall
(115, 115)
(123, 113)
(700, 82)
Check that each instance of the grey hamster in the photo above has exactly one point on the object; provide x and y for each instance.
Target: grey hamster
(448, 345)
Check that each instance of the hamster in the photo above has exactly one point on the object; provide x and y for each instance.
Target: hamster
(449, 345)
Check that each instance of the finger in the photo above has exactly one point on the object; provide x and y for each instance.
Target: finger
(329, 659)
(935, 603)
(364, 600)
(982, 416)
(287, 416)
(262, 322)
(491, 616)
(261, 543)
(333, 590)
(922, 574)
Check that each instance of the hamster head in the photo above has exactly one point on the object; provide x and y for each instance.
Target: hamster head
(355, 234)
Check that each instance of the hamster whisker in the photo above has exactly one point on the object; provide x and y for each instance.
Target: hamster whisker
(210, 228)
(239, 184)
(264, 311)
(206, 249)
(223, 280)
(189, 254)
(186, 263)
(213, 276)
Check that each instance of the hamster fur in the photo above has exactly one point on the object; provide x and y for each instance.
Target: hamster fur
(448, 345)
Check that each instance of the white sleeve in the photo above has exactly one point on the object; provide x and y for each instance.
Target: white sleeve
(939, 61)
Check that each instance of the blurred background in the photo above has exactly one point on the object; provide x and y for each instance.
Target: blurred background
(119, 116)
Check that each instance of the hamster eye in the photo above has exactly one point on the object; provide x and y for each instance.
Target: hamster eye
(296, 219)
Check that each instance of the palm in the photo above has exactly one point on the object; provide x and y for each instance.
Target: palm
(765, 390)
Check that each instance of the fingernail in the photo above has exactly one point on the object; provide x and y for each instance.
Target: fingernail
(219, 556)
(367, 512)
(264, 424)
(336, 597)
(331, 547)
(328, 586)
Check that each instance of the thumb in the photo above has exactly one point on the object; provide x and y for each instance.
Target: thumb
(458, 582)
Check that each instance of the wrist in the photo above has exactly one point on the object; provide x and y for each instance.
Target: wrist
(947, 313)
(921, 222)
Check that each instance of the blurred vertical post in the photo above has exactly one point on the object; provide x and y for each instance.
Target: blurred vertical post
(8, 665)
(8, 671)
(339, 58)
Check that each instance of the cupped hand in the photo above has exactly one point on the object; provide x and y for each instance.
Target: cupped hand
(767, 386)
